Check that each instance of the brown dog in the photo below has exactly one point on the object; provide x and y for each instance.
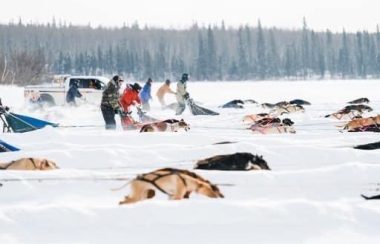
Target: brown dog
(29, 164)
(255, 117)
(362, 122)
(176, 183)
(171, 125)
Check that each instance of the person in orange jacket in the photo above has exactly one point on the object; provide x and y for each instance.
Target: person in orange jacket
(165, 88)
(129, 98)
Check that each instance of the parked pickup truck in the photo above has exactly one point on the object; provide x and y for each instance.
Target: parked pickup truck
(52, 94)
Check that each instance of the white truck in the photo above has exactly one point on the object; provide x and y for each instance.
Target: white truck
(52, 94)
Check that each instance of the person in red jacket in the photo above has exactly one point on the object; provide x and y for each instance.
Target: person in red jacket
(129, 98)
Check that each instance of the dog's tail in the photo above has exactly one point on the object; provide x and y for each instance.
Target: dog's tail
(121, 187)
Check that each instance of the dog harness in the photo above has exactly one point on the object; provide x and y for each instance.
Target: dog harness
(159, 176)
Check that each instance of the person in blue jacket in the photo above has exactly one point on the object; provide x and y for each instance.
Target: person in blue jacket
(145, 95)
(73, 93)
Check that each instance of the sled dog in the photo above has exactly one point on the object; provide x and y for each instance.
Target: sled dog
(255, 117)
(359, 100)
(236, 161)
(351, 111)
(299, 102)
(171, 125)
(176, 183)
(362, 122)
(276, 128)
(29, 164)
(287, 109)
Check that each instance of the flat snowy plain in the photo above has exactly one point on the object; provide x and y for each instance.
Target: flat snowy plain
(311, 195)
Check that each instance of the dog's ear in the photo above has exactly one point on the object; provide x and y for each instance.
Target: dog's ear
(44, 164)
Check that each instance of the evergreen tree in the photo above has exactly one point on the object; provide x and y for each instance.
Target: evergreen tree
(273, 57)
(261, 59)
(242, 68)
(344, 57)
(201, 61)
(211, 55)
(305, 51)
(330, 54)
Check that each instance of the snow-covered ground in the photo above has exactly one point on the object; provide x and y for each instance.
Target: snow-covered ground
(312, 194)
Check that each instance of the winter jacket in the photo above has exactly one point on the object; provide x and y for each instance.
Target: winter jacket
(110, 96)
(145, 93)
(129, 97)
(72, 94)
(163, 90)
(181, 91)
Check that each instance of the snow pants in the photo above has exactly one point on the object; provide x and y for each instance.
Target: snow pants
(109, 117)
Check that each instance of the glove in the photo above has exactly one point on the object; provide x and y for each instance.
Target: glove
(186, 96)
(119, 110)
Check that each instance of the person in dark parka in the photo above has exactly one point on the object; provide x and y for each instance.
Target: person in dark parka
(110, 102)
(73, 93)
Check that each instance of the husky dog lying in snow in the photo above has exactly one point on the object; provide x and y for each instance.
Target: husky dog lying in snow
(351, 111)
(251, 101)
(299, 102)
(176, 183)
(255, 117)
(268, 105)
(287, 109)
(369, 146)
(362, 122)
(271, 122)
(236, 161)
(274, 128)
(171, 125)
(237, 103)
(359, 100)
(29, 164)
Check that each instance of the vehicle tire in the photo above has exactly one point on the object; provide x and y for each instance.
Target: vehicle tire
(47, 99)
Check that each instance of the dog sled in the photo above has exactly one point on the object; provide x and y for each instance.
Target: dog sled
(198, 110)
(145, 118)
(18, 123)
(5, 147)
(129, 123)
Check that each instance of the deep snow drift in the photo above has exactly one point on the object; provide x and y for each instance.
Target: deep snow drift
(312, 194)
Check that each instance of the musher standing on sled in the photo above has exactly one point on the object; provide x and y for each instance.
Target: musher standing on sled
(130, 97)
(110, 102)
(182, 94)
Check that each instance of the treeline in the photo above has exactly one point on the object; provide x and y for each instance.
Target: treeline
(28, 52)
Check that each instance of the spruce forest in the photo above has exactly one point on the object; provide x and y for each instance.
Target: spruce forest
(32, 53)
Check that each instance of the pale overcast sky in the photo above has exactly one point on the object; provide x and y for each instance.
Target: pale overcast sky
(320, 14)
